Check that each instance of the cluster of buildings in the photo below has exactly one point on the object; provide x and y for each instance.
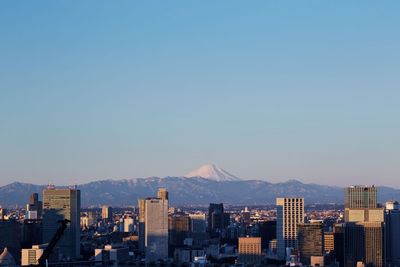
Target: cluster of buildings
(363, 233)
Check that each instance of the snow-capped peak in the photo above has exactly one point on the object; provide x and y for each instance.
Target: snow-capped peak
(212, 172)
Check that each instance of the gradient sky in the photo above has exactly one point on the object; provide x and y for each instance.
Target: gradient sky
(264, 89)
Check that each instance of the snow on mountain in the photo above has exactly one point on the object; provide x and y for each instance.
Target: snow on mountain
(212, 172)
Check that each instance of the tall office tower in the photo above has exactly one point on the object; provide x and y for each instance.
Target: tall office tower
(156, 229)
(34, 207)
(179, 228)
(289, 213)
(392, 233)
(364, 242)
(357, 197)
(162, 193)
(216, 219)
(60, 204)
(310, 240)
(267, 232)
(338, 241)
(364, 227)
(198, 222)
(249, 250)
(361, 204)
(106, 213)
(142, 206)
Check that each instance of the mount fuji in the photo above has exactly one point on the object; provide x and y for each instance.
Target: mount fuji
(208, 184)
(212, 172)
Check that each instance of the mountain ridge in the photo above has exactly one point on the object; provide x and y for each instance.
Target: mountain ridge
(191, 191)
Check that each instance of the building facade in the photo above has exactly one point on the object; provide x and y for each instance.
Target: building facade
(310, 241)
(249, 250)
(290, 212)
(60, 204)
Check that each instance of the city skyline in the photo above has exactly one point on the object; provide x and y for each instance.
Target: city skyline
(267, 91)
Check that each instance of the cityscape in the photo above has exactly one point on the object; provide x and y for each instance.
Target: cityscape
(185, 133)
(55, 230)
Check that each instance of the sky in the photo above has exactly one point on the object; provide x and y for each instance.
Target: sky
(270, 90)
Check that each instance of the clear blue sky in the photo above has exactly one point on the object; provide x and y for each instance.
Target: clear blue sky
(265, 89)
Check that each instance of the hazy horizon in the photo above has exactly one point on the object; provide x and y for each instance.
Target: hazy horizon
(95, 90)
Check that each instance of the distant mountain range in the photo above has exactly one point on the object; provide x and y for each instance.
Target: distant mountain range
(217, 186)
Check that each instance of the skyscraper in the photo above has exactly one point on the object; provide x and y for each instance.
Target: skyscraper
(289, 213)
(106, 213)
(34, 207)
(392, 233)
(156, 229)
(215, 219)
(162, 193)
(310, 239)
(141, 232)
(364, 242)
(153, 226)
(60, 204)
(360, 197)
(363, 228)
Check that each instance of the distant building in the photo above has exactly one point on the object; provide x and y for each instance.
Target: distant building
(198, 222)
(364, 242)
(310, 239)
(60, 204)
(31, 256)
(392, 233)
(106, 213)
(329, 241)
(364, 228)
(360, 197)
(34, 207)
(129, 225)
(141, 226)
(249, 250)
(162, 193)
(153, 227)
(267, 232)
(179, 229)
(112, 255)
(216, 219)
(290, 212)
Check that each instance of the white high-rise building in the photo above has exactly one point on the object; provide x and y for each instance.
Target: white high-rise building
(153, 226)
(290, 212)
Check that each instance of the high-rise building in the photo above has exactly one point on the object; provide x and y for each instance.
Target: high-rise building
(289, 212)
(364, 242)
(216, 219)
(198, 222)
(156, 229)
(392, 233)
(267, 232)
(363, 228)
(34, 207)
(141, 226)
(60, 204)
(179, 228)
(106, 213)
(310, 240)
(338, 240)
(364, 197)
(249, 250)
(162, 193)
